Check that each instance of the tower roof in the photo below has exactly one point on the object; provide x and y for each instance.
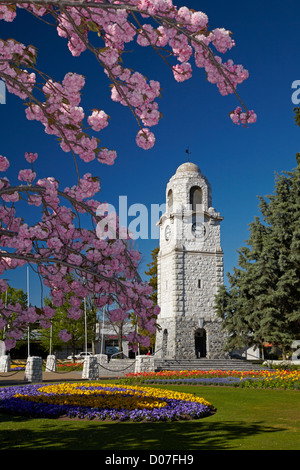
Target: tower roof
(188, 167)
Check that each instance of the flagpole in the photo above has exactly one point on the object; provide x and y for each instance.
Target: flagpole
(28, 341)
(85, 325)
(102, 334)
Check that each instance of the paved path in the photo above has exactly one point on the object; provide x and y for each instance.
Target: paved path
(17, 378)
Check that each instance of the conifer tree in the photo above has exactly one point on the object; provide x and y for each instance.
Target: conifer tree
(152, 272)
(262, 303)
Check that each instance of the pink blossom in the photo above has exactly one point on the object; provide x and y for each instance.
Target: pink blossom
(31, 315)
(252, 118)
(4, 163)
(54, 243)
(75, 301)
(156, 310)
(34, 200)
(147, 36)
(64, 336)
(3, 285)
(9, 343)
(199, 20)
(75, 313)
(237, 116)
(48, 311)
(45, 324)
(13, 197)
(27, 175)
(75, 259)
(31, 157)
(118, 315)
(98, 120)
(7, 13)
(107, 156)
(184, 15)
(145, 139)
(222, 40)
(182, 71)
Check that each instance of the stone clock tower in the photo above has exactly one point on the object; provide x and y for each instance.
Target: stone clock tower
(190, 270)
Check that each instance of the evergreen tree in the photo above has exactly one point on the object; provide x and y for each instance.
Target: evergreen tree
(152, 272)
(262, 303)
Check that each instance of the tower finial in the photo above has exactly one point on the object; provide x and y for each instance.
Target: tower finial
(188, 154)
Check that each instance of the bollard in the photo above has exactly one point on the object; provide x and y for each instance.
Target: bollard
(51, 363)
(90, 368)
(34, 369)
(101, 359)
(144, 364)
(4, 363)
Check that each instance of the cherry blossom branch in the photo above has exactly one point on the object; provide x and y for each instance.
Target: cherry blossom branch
(55, 244)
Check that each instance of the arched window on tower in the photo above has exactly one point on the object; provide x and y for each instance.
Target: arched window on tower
(195, 197)
(170, 200)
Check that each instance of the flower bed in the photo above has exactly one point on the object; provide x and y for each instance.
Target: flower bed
(258, 379)
(17, 367)
(69, 366)
(102, 401)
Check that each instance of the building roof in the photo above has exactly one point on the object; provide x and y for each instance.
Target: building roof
(188, 167)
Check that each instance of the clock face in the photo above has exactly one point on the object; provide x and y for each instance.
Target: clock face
(198, 230)
(168, 232)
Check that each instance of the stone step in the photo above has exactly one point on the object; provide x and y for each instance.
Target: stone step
(207, 364)
(120, 367)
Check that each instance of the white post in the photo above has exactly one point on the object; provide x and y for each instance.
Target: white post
(34, 369)
(102, 334)
(28, 332)
(51, 363)
(50, 347)
(90, 368)
(4, 363)
(144, 364)
(85, 327)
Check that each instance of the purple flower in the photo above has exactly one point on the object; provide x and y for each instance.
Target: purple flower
(174, 409)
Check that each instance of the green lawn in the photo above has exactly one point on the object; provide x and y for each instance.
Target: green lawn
(246, 419)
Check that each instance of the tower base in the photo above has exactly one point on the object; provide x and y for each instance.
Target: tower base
(188, 339)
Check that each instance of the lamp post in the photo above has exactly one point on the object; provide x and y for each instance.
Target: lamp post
(85, 326)
(28, 332)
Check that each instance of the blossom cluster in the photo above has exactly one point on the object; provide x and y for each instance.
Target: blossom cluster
(102, 401)
(239, 117)
(70, 259)
(62, 116)
(60, 113)
(179, 33)
(58, 244)
(14, 56)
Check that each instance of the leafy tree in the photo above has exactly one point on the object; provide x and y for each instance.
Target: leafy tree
(62, 321)
(13, 296)
(262, 303)
(10, 298)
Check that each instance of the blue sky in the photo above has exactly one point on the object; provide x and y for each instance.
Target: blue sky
(240, 163)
